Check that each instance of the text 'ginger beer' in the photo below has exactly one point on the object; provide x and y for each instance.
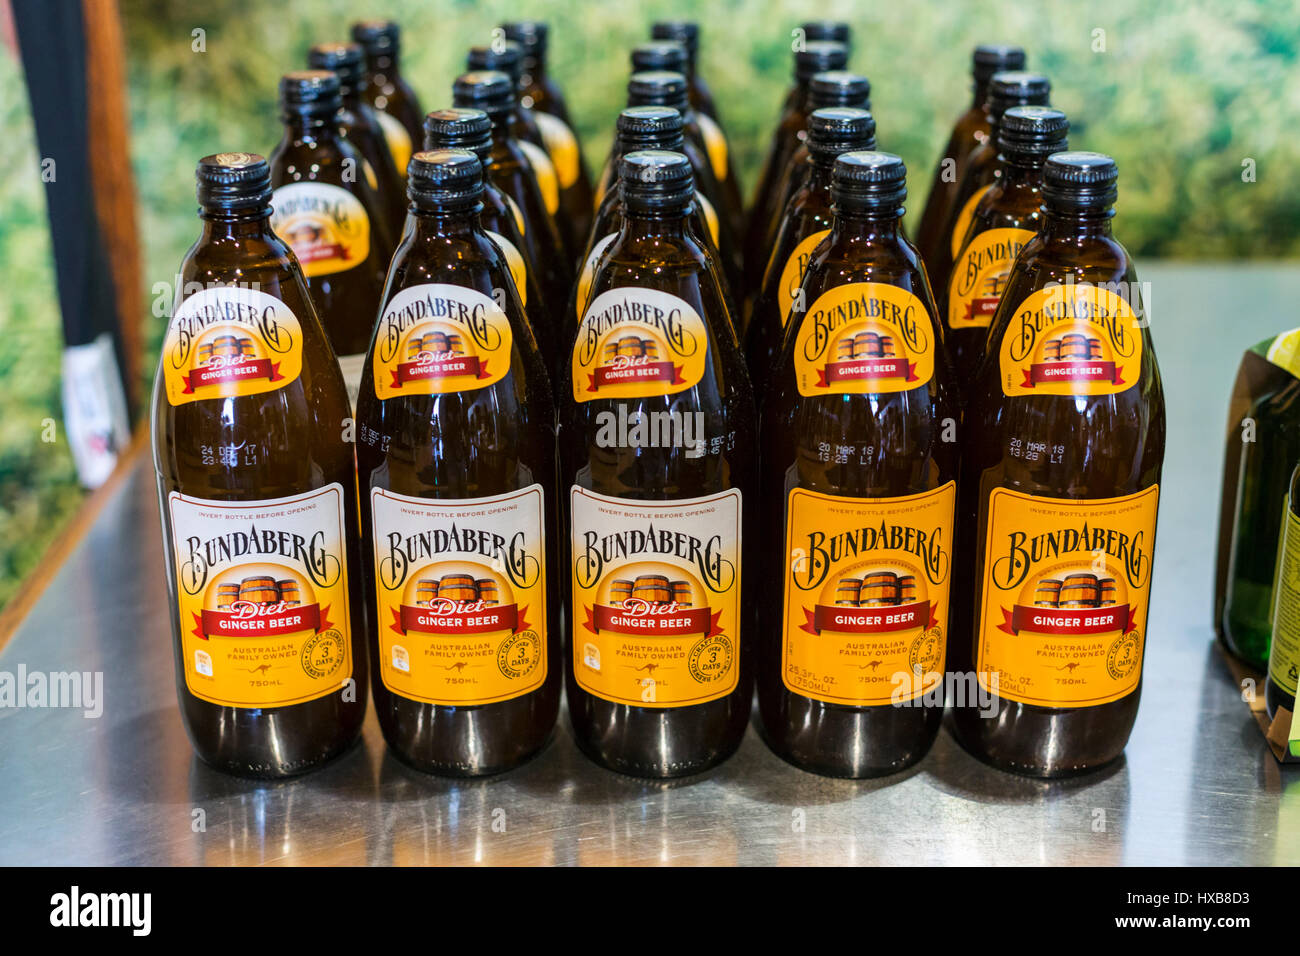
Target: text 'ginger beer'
(859, 493)
(456, 458)
(658, 460)
(258, 496)
(1062, 446)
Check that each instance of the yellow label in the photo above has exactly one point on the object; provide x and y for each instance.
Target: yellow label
(544, 173)
(866, 595)
(656, 598)
(864, 338)
(435, 338)
(562, 146)
(634, 342)
(796, 267)
(1065, 596)
(461, 588)
(1284, 653)
(715, 144)
(589, 273)
(1072, 339)
(710, 215)
(326, 226)
(263, 594)
(229, 341)
(515, 261)
(979, 276)
(517, 212)
(397, 138)
(963, 220)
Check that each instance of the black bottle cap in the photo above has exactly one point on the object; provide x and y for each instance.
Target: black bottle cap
(532, 35)
(655, 179)
(867, 181)
(1080, 180)
(819, 56)
(659, 55)
(659, 88)
(444, 180)
(650, 127)
(991, 58)
(383, 37)
(508, 58)
(683, 31)
(488, 90)
(310, 92)
(459, 129)
(233, 182)
(345, 59)
(839, 88)
(836, 30)
(1017, 88)
(834, 130)
(1032, 131)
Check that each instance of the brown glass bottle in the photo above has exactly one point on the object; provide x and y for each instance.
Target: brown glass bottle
(971, 129)
(826, 90)
(562, 204)
(386, 89)
(982, 167)
(360, 125)
(329, 216)
(688, 35)
(1064, 430)
(859, 492)
(1005, 219)
(670, 89)
(456, 458)
(815, 57)
(539, 92)
(642, 128)
(659, 527)
(832, 132)
(1284, 648)
(493, 92)
(257, 492)
(472, 130)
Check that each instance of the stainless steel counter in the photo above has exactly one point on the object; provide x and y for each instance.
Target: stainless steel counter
(1197, 784)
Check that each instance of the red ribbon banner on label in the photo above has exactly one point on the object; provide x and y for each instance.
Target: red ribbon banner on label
(1057, 620)
(460, 617)
(317, 252)
(438, 368)
(247, 619)
(1042, 373)
(868, 620)
(624, 374)
(858, 370)
(654, 620)
(981, 308)
(236, 372)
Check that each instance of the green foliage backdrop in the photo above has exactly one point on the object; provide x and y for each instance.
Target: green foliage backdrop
(1182, 94)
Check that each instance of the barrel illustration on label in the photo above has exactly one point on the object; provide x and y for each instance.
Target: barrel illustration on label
(1071, 339)
(230, 341)
(263, 594)
(461, 588)
(864, 337)
(980, 276)
(656, 589)
(326, 226)
(638, 342)
(435, 338)
(866, 595)
(1065, 599)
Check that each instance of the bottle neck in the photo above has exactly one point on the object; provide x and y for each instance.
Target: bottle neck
(1076, 224)
(535, 67)
(823, 167)
(981, 93)
(312, 126)
(460, 221)
(670, 223)
(868, 225)
(383, 64)
(1021, 171)
(225, 224)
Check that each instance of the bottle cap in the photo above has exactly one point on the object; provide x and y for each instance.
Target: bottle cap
(489, 90)
(990, 58)
(532, 35)
(459, 129)
(650, 127)
(1017, 88)
(683, 31)
(668, 55)
(509, 59)
(867, 180)
(836, 30)
(659, 88)
(444, 179)
(834, 130)
(313, 92)
(233, 182)
(1080, 180)
(819, 56)
(345, 59)
(839, 88)
(1032, 131)
(655, 179)
(377, 36)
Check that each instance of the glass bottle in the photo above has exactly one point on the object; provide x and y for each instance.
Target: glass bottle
(395, 104)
